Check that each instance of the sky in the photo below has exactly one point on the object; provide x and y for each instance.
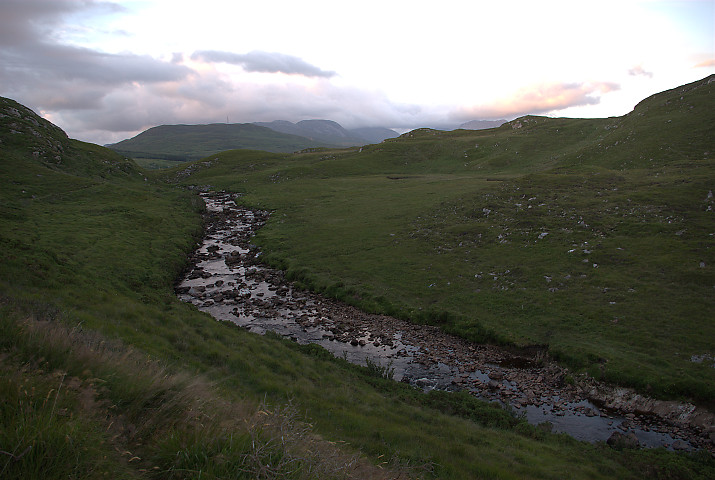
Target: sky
(107, 70)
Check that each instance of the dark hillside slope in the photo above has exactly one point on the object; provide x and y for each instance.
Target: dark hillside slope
(32, 137)
(664, 129)
(61, 202)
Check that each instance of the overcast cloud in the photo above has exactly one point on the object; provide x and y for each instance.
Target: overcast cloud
(57, 77)
(263, 62)
(105, 71)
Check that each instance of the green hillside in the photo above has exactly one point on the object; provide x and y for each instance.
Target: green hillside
(593, 237)
(192, 142)
(104, 373)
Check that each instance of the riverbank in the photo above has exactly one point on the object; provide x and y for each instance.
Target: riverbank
(228, 281)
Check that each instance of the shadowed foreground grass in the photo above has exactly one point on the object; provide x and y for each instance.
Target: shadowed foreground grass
(78, 406)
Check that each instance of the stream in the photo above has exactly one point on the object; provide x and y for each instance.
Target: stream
(228, 281)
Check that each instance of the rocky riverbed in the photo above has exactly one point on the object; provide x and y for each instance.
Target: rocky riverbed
(228, 281)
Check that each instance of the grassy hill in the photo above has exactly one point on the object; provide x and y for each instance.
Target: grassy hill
(590, 236)
(106, 374)
(192, 142)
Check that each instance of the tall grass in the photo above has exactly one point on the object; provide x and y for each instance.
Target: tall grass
(76, 405)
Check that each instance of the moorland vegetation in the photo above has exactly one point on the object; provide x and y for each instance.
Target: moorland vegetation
(590, 237)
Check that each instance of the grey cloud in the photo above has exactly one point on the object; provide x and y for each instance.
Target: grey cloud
(22, 20)
(267, 62)
(53, 75)
(208, 98)
(75, 63)
(77, 77)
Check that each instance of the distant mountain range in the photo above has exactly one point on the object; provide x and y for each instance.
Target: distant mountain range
(482, 124)
(192, 142)
(330, 132)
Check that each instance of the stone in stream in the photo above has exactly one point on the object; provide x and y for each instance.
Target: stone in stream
(679, 445)
(425, 383)
(233, 258)
(196, 291)
(623, 440)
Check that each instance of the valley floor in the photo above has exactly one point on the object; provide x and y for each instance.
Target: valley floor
(228, 282)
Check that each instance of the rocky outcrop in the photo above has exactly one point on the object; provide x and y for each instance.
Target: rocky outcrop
(628, 401)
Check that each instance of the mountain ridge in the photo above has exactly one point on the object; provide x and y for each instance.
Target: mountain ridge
(191, 142)
(482, 124)
(331, 132)
(187, 142)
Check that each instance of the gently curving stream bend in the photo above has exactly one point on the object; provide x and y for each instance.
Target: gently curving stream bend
(227, 281)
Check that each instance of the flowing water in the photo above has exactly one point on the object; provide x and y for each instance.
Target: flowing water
(228, 282)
